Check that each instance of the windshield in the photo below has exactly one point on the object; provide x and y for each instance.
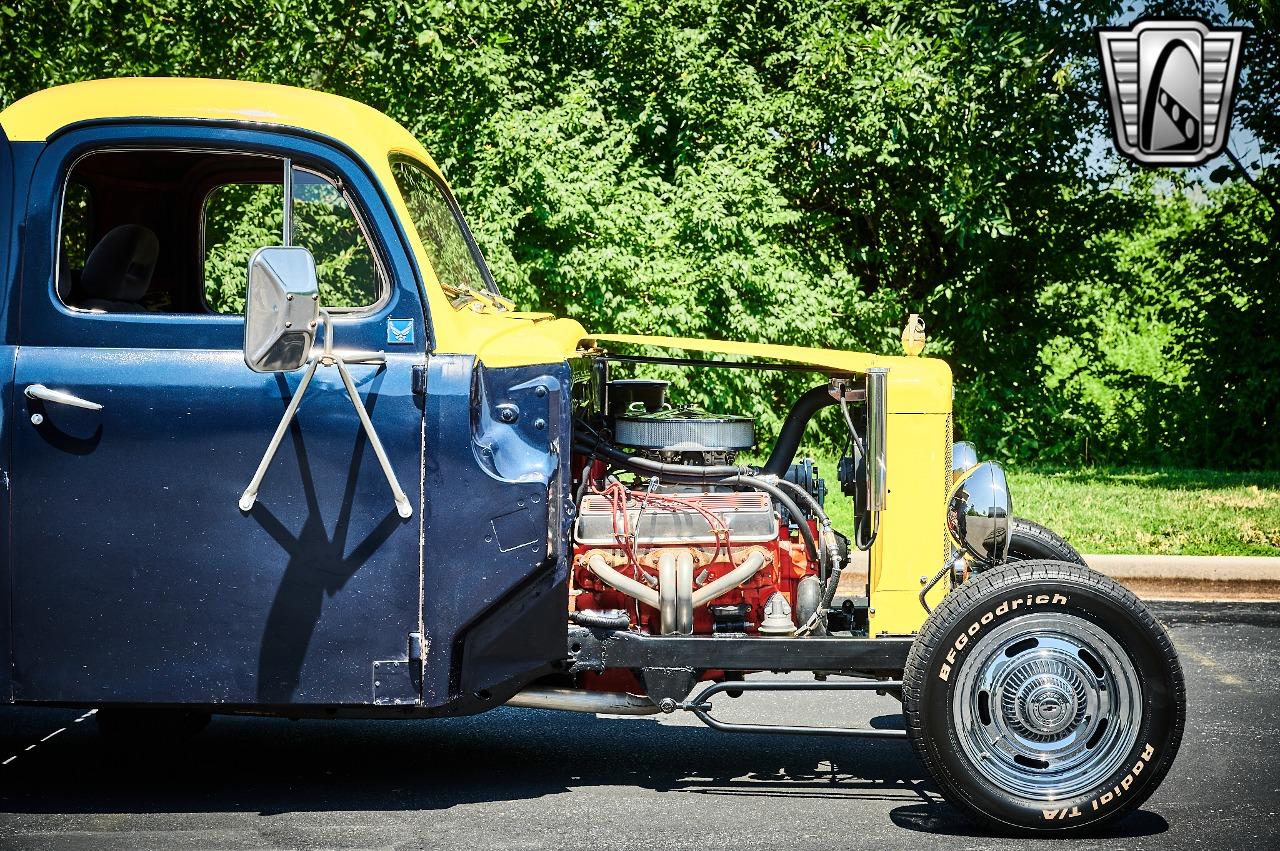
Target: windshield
(453, 253)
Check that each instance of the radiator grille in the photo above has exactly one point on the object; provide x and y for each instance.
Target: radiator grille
(946, 489)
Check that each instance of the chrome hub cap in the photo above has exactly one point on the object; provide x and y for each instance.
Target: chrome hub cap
(1043, 698)
(1047, 706)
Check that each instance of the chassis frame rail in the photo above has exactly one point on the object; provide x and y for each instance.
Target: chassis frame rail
(598, 650)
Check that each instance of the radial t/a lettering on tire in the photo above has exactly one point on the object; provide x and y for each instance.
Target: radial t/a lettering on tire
(1044, 697)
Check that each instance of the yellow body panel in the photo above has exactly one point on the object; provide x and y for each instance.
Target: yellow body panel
(910, 543)
(916, 385)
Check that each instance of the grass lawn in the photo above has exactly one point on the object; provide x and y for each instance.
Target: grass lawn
(1155, 511)
(1137, 511)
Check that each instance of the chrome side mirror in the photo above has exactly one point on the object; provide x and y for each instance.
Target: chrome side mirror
(979, 512)
(282, 308)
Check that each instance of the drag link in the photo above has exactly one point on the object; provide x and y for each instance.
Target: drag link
(701, 707)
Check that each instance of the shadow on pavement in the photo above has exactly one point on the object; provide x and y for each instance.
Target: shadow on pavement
(943, 819)
(271, 766)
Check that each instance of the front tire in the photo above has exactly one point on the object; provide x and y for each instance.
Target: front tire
(1031, 542)
(1043, 697)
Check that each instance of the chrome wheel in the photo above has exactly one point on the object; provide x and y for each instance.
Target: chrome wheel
(1047, 706)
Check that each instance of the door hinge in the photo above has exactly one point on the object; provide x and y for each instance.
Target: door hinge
(398, 682)
(419, 379)
(415, 647)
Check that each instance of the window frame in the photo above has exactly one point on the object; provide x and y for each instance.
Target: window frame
(202, 189)
(42, 319)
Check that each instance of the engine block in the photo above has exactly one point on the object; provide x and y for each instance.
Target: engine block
(719, 529)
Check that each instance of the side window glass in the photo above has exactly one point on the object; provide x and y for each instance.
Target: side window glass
(240, 218)
(441, 233)
(324, 222)
(76, 226)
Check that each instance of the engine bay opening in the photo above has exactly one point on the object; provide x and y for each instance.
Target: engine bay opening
(680, 531)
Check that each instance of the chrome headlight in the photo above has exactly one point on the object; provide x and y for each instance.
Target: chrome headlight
(978, 513)
(964, 457)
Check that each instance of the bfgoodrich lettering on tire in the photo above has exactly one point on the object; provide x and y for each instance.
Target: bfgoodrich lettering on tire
(1044, 697)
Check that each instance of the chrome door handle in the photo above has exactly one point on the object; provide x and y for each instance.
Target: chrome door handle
(39, 391)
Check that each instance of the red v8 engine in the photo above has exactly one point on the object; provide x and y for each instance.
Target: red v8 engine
(692, 558)
(684, 561)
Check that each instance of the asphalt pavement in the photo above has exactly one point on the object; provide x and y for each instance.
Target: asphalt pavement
(515, 779)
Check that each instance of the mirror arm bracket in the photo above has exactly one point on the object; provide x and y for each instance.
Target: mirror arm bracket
(328, 358)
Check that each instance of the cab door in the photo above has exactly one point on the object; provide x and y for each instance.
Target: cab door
(137, 425)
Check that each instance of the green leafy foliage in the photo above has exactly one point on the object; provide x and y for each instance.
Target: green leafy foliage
(802, 171)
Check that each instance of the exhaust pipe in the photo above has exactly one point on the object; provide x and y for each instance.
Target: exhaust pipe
(730, 580)
(668, 593)
(674, 598)
(574, 700)
(620, 582)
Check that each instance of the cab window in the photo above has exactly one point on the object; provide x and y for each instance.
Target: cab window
(172, 232)
(240, 218)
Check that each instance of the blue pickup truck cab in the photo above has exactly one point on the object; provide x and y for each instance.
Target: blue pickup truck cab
(273, 442)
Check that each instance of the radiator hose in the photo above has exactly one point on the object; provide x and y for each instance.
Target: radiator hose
(804, 409)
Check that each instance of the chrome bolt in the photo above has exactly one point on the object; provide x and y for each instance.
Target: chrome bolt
(36, 419)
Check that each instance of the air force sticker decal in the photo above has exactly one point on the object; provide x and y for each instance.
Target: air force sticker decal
(1169, 84)
(399, 331)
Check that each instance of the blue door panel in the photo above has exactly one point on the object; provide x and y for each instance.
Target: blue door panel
(495, 529)
(140, 579)
(135, 577)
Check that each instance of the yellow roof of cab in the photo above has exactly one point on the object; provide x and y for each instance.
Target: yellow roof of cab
(38, 116)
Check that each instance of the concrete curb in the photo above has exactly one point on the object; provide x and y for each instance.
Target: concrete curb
(1158, 577)
(1209, 568)
(1154, 577)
